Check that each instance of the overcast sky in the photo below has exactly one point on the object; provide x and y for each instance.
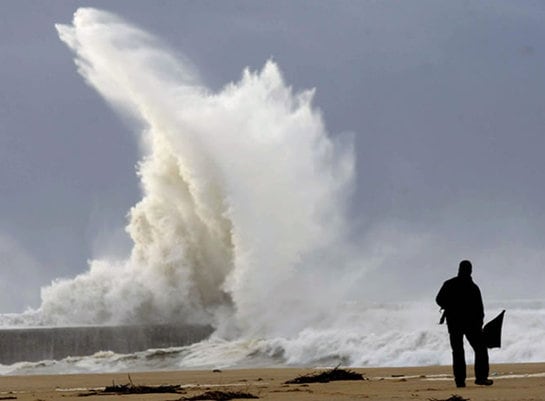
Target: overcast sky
(446, 101)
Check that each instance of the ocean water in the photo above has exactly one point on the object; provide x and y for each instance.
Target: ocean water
(405, 334)
(243, 225)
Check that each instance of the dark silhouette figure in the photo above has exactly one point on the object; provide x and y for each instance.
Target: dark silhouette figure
(461, 300)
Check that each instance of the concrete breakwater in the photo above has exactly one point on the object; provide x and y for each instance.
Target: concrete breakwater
(36, 344)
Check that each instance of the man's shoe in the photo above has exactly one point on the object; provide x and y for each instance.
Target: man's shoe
(484, 382)
(460, 385)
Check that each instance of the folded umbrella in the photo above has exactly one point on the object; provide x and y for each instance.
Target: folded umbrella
(492, 331)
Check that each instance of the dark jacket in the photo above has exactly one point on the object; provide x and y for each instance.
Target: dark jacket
(461, 299)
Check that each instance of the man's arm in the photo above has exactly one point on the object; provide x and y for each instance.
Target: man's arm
(480, 305)
(442, 297)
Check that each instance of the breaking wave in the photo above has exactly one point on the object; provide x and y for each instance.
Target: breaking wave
(244, 194)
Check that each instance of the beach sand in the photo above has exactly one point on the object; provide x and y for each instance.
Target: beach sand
(511, 382)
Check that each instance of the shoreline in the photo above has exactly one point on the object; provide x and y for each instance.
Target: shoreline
(511, 382)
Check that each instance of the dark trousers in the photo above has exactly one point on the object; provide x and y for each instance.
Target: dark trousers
(476, 339)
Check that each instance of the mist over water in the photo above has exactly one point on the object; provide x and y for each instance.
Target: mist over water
(242, 225)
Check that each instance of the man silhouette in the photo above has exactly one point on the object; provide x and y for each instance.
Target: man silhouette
(461, 300)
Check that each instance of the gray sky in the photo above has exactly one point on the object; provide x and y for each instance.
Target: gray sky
(446, 101)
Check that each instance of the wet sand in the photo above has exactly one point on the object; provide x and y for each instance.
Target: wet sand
(511, 382)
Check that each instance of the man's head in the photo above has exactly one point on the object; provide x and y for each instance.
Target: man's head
(465, 269)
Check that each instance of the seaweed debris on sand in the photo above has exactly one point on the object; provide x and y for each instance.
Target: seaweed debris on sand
(131, 388)
(219, 396)
(454, 397)
(327, 376)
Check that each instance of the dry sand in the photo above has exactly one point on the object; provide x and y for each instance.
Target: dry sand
(511, 382)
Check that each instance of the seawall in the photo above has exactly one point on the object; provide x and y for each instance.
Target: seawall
(36, 344)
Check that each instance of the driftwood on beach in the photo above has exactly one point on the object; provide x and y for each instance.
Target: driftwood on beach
(327, 376)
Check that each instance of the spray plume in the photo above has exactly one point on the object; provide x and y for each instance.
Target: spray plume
(244, 193)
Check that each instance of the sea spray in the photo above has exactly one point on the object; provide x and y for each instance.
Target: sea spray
(242, 221)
